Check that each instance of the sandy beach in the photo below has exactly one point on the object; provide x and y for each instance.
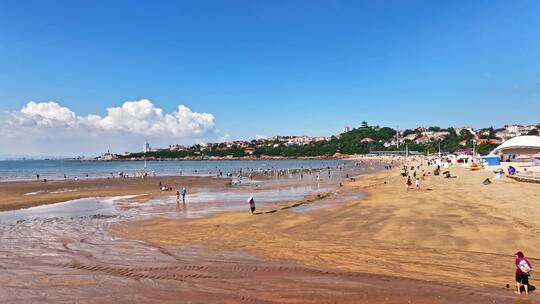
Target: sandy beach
(456, 230)
(369, 241)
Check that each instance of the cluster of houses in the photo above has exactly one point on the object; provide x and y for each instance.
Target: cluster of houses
(510, 131)
(422, 135)
(250, 146)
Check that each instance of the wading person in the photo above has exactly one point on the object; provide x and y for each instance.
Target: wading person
(183, 193)
(523, 271)
(251, 202)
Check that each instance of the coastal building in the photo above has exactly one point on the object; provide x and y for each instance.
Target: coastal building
(366, 140)
(513, 130)
(300, 140)
(518, 148)
(440, 135)
(249, 150)
(364, 125)
(422, 140)
(146, 147)
(502, 134)
(177, 148)
(410, 137)
(493, 141)
(470, 129)
(108, 156)
(322, 138)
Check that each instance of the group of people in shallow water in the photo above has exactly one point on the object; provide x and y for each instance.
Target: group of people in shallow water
(180, 192)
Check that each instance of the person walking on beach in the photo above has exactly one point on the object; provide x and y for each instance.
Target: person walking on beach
(183, 193)
(523, 271)
(417, 182)
(409, 182)
(251, 202)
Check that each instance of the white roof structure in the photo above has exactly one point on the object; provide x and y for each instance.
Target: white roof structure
(519, 142)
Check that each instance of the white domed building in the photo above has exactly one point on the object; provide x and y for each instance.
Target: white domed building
(520, 148)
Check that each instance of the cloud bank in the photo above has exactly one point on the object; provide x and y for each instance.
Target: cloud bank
(49, 128)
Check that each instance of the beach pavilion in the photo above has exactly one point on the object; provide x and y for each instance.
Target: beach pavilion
(518, 148)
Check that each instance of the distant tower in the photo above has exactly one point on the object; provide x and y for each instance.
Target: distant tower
(364, 125)
(146, 147)
(347, 128)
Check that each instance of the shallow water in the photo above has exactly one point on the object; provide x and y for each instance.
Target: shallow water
(71, 209)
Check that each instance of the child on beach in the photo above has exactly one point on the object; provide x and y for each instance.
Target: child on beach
(417, 183)
(409, 182)
(523, 270)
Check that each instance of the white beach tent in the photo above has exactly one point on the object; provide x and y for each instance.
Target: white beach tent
(521, 145)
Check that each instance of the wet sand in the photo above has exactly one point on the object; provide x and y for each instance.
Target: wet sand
(453, 231)
(16, 195)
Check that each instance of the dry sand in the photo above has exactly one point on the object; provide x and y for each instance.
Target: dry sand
(16, 195)
(457, 230)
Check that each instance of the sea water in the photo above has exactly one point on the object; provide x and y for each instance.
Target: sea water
(12, 170)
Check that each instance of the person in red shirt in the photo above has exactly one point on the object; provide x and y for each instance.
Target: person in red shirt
(523, 269)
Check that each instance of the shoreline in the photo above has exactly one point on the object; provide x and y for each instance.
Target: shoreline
(213, 158)
(103, 169)
(378, 230)
(218, 158)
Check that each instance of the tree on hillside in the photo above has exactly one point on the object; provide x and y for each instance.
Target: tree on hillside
(485, 147)
(408, 132)
(533, 132)
(451, 142)
(465, 135)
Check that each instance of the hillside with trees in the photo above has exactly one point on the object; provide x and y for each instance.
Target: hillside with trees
(362, 140)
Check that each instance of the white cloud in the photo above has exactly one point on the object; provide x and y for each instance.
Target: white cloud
(47, 113)
(142, 117)
(49, 128)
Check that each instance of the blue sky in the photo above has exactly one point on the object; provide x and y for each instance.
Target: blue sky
(279, 67)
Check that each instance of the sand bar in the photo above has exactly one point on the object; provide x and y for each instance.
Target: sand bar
(16, 195)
